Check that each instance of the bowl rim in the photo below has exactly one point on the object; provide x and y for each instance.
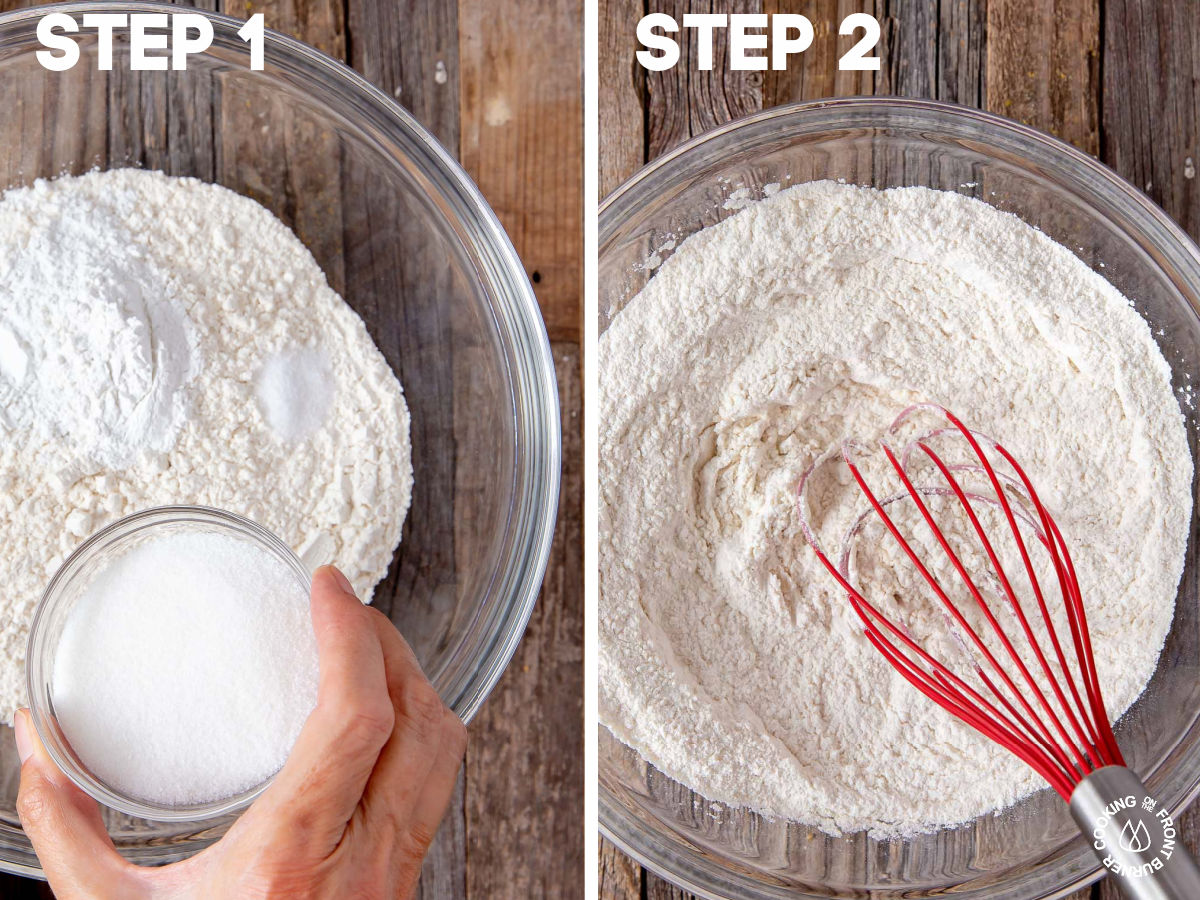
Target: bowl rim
(514, 302)
(651, 851)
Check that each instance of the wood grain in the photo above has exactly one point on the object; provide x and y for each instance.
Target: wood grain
(409, 49)
(525, 766)
(1150, 134)
(814, 73)
(684, 101)
(521, 140)
(402, 49)
(621, 107)
(1043, 66)
(961, 59)
(1151, 110)
(620, 876)
(321, 23)
(522, 120)
(909, 51)
(658, 889)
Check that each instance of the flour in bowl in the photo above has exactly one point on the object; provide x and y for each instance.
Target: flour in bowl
(140, 318)
(728, 657)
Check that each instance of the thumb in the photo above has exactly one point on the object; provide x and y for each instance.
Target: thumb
(64, 824)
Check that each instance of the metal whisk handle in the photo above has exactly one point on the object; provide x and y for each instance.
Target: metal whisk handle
(1134, 836)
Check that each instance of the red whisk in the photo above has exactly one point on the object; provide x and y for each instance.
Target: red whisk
(1035, 696)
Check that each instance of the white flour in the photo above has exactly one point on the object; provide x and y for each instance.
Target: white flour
(728, 657)
(136, 311)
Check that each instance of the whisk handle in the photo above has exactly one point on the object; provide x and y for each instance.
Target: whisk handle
(1134, 836)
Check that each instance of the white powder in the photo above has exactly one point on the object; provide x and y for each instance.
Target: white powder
(95, 347)
(186, 668)
(728, 657)
(135, 313)
(294, 389)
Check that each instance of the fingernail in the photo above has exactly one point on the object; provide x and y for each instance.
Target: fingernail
(24, 738)
(342, 580)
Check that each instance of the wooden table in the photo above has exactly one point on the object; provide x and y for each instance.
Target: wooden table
(496, 83)
(1119, 79)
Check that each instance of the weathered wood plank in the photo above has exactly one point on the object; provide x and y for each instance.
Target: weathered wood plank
(291, 171)
(1043, 66)
(620, 876)
(908, 48)
(73, 105)
(321, 23)
(1151, 124)
(814, 74)
(522, 139)
(622, 95)
(409, 48)
(658, 889)
(928, 49)
(685, 101)
(961, 34)
(525, 764)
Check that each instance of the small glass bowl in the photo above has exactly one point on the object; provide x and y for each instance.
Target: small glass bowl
(65, 589)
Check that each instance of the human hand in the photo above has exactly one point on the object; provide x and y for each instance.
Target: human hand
(350, 814)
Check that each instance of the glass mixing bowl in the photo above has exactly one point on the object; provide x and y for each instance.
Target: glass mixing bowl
(406, 238)
(1032, 849)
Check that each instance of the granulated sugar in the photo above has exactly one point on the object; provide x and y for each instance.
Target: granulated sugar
(187, 668)
(728, 657)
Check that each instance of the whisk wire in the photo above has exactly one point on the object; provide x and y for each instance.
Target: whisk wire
(1101, 728)
(951, 692)
(952, 607)
(1071, 736)
(1078, 750)
(1053, 547)
(996, 729)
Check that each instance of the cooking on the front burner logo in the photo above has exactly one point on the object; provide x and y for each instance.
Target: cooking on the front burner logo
(1147, 830)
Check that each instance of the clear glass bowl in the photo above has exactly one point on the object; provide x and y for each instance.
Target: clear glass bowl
(1033, 849)
(409, 242)
(87, 561)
